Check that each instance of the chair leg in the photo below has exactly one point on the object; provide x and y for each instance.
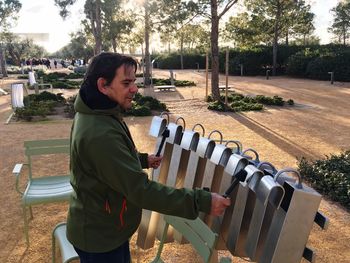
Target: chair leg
(25, 224)
(53, 248)
(157, 259)
(214, 257)
(31, 212)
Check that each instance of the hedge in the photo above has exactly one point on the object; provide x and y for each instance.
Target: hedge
(330, 176)
(314, 61)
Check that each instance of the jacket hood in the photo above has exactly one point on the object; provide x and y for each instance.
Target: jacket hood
(81, 107)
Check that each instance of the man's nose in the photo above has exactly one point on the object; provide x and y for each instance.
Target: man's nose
(134, 88)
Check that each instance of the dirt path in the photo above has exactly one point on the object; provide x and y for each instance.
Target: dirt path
(317, 125)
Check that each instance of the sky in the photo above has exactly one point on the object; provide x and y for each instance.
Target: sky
(42, 16)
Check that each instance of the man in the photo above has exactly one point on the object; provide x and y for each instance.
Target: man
(110, 187)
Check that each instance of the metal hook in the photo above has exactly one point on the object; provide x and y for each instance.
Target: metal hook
(200, 125)
(216, 132)
(252, 150)
(238, 144)
(183, 121)
(167, 114)
(274, 170)
(290, 170)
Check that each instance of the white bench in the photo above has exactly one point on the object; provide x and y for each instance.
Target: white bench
(223, 87)
(165, 88)
(68, 252)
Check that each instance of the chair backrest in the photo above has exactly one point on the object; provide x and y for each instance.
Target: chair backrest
(17, 95)
(201, 237)
(45, 147)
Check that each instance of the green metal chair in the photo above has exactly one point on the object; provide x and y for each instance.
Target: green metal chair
(68, 252)
(43, 189)
(197, 233)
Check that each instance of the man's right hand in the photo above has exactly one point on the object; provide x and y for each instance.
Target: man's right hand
(219, 204)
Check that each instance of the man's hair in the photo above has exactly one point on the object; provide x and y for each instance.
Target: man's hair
(104, 66)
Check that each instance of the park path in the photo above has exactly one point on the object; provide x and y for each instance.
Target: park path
(317, 125)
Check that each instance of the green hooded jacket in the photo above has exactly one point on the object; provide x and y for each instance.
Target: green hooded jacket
(110, 187)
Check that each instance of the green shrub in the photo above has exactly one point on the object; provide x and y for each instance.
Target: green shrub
(35, 108)
(74, 75)
(273, 101)
(139, 110)
(173, 61)
(246, 106)
(65, 84)
(297, 63)
(184, 83)
(151, 103)
(238, 102)
(45, 96)
(80, 69)
(218, 106)
(337, 62)
(319, 67)
(330, 176)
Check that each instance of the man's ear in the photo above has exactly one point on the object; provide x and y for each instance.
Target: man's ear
(102, 86)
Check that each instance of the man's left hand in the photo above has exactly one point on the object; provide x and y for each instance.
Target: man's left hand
(154, 161)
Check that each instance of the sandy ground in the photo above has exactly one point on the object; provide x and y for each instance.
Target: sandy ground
(316, 126)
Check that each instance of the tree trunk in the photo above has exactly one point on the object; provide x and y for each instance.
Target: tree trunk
(114, 45)
(287, 38)
(3, 63)
(181, 52)
(147, 55)
(214, 50)
(275, 40)
(98, 37)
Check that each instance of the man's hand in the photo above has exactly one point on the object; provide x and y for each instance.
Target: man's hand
(154, 161)
(218, 204)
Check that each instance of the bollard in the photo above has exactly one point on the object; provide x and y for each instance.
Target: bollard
(241, 65)
(197, 66)
(332, 76)
(267, 74)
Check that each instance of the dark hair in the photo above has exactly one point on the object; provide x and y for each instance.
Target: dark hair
(104, 66)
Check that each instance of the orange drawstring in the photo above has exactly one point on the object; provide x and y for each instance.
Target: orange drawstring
(124, 208)
(107, 207)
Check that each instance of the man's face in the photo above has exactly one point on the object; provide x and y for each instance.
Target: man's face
(122, 89)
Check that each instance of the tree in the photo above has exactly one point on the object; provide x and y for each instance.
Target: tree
(8, 9)
(272, 16)
(268, 22)
(176, 21)
(341, 24)
(239, 29)
(80, 46)
(116, 23)
(92, 10)
(17, 49)
(63, 6)
(216, 13)
(302, 24)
